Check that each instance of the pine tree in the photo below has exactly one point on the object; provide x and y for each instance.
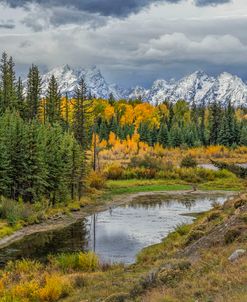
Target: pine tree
(53, 102)
(243, 136)
(103, 131)
(215, 121)
(66, 112)
(21, 106)
(4, 160)
(175, 137)
(75, 172)
(12, 91)
(82, 125)
(8, 84)
(163, 136)
(202, 126)
(54, 163)
(17, 149)
(33, 92)
(111, 99)
(225, 133)
(34, 184)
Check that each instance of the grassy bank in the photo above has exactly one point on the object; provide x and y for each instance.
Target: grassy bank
(16, 215)
(116, 187)
(190, 264)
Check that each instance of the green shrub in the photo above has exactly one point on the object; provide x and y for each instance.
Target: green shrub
(14, 211)
(66, 262)
(86, 262)
(224, 174)
(188, 162)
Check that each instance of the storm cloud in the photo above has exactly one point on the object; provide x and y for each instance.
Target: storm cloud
(211, 2)
(9, 24)
(113, 8)
(132, 42)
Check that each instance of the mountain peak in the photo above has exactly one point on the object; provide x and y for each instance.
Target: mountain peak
(196, 87)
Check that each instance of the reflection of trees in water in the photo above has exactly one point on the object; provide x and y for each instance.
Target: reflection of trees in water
(40, 245)
(158, 201)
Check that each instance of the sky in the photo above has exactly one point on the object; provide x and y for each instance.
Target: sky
(133, 42)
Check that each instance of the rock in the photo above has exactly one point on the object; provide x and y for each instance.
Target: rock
(236, 255)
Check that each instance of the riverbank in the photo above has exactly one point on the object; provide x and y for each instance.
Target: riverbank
(190, 264)
(60, 221)
(96, 201)
(18, 215)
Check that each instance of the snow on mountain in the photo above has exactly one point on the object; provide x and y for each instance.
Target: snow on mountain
(138, 92)
(198, 87)
(68, 78)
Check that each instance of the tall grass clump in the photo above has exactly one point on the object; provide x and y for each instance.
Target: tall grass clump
(188, 162)
(86, 262)
(14, 211)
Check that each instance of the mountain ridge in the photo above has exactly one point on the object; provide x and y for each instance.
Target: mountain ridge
(198, 87)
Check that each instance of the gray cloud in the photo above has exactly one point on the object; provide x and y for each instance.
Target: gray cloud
(113, 8)
(211, 2)
(158, 41)
(9, 24)
(41, 14)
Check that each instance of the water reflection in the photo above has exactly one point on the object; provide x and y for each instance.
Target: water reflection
(117, 234)
(38, 246)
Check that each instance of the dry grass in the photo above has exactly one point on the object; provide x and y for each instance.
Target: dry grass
(121, 154)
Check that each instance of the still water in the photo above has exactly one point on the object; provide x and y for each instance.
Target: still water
(117, 234)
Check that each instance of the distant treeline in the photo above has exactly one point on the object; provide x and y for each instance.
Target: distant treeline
(175, 125)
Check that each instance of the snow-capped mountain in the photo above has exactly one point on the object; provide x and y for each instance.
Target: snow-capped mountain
(198, 87)
(68, 78)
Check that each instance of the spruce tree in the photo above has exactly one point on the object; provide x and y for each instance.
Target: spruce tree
(225, 133)
(5, 167)
(34, 184)
(53, 102)
(163, 135)
(33, 92)
(202, 126)
(243, 136)
(215, 121)
(8, 84)
(82, 125)
(21, 105)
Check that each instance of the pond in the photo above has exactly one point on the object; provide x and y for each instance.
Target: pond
(118, 234)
